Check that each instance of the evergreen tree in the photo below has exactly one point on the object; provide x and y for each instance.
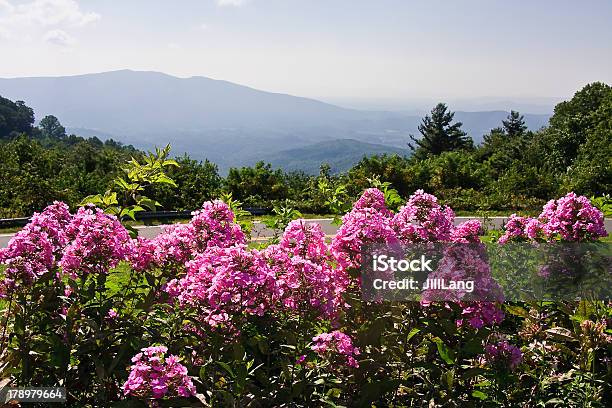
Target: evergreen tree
(515, 124)
(439, 134)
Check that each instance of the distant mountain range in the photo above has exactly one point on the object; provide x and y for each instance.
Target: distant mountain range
(230, 124)
(340, 154)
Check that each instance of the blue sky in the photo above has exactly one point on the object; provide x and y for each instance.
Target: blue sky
(330, 49)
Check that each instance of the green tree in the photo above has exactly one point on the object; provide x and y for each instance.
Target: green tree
(51, 128)
(389, 168)
(439, 134)
(28, 177)
(15, 118)
(572, 122)
(503, 145)
(256, 185)
(514, 125)
(196, 182)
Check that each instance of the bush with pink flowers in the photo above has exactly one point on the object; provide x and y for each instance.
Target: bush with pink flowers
(199, 317)
(156, 375)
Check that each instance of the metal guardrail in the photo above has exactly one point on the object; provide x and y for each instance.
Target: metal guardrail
(13, 222)
(258, 210)
(146, 216)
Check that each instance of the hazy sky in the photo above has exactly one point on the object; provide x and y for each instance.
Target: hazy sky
(390, 49)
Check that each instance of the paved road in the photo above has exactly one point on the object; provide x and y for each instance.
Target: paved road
(260, 232)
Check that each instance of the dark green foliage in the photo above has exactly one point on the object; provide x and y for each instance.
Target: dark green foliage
(591, 172)
(50, 127)
(439, 134)
(574, 120)
(34, 175)
(254, 185)
(391, 168)
(515, 124)
(15, 118)
(197, 182)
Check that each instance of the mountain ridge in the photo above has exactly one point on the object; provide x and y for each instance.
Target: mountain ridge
(216, 119)
(340, 154)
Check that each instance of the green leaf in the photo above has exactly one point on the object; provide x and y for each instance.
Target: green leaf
(472, 372)
(584, 311)
(448, 378)
(120, 182)
(133, 231)
(110, 199)
(163, 179)
(148, 203)
(19, 325)
(227, 368)
(473, 347)
(480, 395)
(60, 356)
(170, 163)
(91, 199)
(446, 353)
(516, 310)
(412, 333)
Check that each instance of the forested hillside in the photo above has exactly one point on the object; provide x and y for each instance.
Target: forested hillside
(230, 124)
(513, 169)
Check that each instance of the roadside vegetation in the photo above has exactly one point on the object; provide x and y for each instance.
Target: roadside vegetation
(194, 317)
(200, 316)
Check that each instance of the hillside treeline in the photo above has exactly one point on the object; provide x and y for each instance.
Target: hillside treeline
(513, 169)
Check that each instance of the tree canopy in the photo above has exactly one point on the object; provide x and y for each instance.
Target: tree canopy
(51, 127)
(15, 118)
(440, 134)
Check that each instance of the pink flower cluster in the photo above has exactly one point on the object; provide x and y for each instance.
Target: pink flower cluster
(480, 314)
(226, 283)
(374, 199)
(369, 222)
(155, 375)
(223, 283)
(211, 226)
(519, 229)
(304, 270)
(422, 219)
(97, 243)
(571, 218)
(503, 354)
(89, 241)
(465, 262)
(467, 232)
(214, 226)
(338, 344)
(35, 249)
(53, 221)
